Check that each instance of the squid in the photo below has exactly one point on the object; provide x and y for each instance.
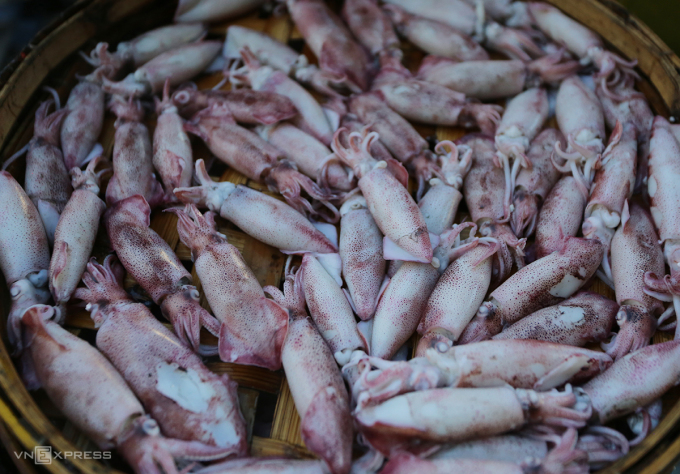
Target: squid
(484, 191)
(533, 184)
(584, 43)
(395, 212)
(24, 254)
(581, 120)
(635, 252)
(212, 10)
(406, 295)
(664, 172)
(312, 157)
(360, 248)
(434, 36)
(188, 401)
(583, 318)
(509, 447)
(457, 13)
(252, 156)
(424, 419)
(89, 391)
(431, 103)
(523, 118)
(265, 466)
(613, 185)
(263, 217)
(179, 64)
(132, 156)
(145, 47)
(172, 154)
(560, 217)
(76, 232)
(315, 382)
(246, 105)
(252, 327)
(47, 181)
(508, 12)
(154, 265)
(542, 283)
(495, 79)
(369, 24)
(339, 55)
(535, 365)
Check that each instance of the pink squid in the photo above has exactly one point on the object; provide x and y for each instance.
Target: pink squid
(339, 55)
(360, 248)
(176, 65)
(424, 419)
(523, 118)
(581, 120)
(312, 157)
(431, 103)
(457, 13)
(246, 105)
(317, 387)
(535, 365)
(372, 27)
(252, 327)
(664, 194)
(132, 156)
(24, 254)
(484, 191)
(213, 10)
(533, 184)
(96, 399)
(585, 317)
(154, 265)
(330, 309)
(584, 43)
(613, 185)
(635, 252)
(261, 216)
(542, 283)
(560, 216)
(160, 369)
(394, 210)
(252, 156)
(434, 36)
(495, 79)
(76, 232)
(515, 43)
(509, 447)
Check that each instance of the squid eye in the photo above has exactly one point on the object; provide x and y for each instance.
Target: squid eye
(150, 427)
(621, 317)
(442, 347)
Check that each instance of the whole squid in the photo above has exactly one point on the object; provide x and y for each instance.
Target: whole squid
(315, 382)
(371, 26)
(495, 79)
(484, 190)
(360, 248)
(251, 155)
(261, 216)
(177, 65)
(560, 216)
(431, 103)
(89, 391)
(213, 10)
(585, 317)
(24, 254)
(332, 43)
(154, 265)
(47, 181)
(542, 283)
(394, 210)
(635, 252)
(188, 401)
(132, 156)
(581, 120)
(533, 184)
(76, 232)
(172, 154)
(252, 327)
(535, 365)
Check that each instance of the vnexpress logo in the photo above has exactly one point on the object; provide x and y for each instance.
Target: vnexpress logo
(45, 455)
(42, 454)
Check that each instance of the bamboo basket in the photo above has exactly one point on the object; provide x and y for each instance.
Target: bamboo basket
(29, 420)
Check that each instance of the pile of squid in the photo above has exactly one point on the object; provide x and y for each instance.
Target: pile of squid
(427, 337)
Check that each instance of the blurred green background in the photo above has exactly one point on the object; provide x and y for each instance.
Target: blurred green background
(662, 16)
